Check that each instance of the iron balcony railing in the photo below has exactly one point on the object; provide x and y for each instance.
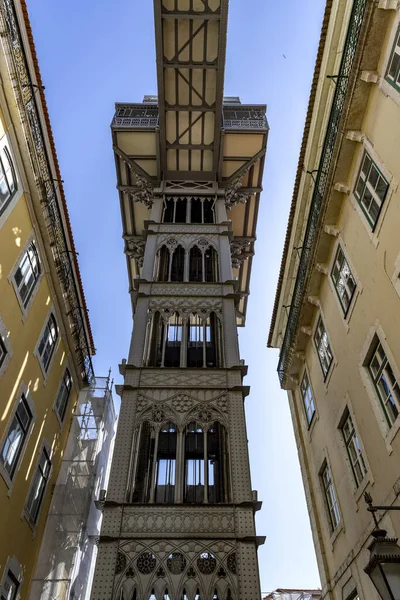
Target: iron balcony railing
(245, 118)
(136, 116)
(25, 93)
(145, 116)
(320, 195)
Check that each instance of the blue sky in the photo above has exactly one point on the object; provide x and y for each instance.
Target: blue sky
(94, 53)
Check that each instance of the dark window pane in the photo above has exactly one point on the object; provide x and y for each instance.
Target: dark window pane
(195, 210)
(180, 211)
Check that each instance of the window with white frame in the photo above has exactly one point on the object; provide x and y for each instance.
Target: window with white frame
(343, 280)
(27, 274)
(10, 587)
(370, 190)
(385, 382)
(393, 68)
(3, 351)
(330, 496)
(323, 347)
(308, 399)
(63, 395)
(47, 343)
(8, 180)
(16, 436)
(38, 487)
(354, 449)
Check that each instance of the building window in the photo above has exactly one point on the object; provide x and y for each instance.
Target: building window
(47, 344)
(204, 341)
(354, 450)
(27, 274)
(8, 180)
(393, 69)
(386, 384)
(371, 189)
(203, 264)
(330, 497)
(201, 210)
(63, 395)
(343, 280)
(323, 347)
(175, 210)
(165, 341)
(16, 437)
(201, 338)
(171, 264)
(166, 464)
(10, 586)
(203, 457)
(189, 210)
(38, 487)
(3, 351)
(206, 464)
(194, 463)
(308, 399)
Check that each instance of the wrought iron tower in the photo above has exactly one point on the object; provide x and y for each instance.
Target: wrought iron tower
(179, 514)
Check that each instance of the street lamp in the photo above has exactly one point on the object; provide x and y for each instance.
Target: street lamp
(383, 567)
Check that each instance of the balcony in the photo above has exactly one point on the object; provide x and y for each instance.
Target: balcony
(236, 117)
(136, 116)
(245, 118)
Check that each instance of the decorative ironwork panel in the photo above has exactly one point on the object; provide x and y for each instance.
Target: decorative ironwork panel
(319, 197)
(135, 116)
(242, 117)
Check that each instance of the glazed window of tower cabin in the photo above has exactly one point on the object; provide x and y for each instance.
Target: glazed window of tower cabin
(343, 280)
(323, 347)
(393, 68)
(370, 190)
(386, 384)
(8, 181)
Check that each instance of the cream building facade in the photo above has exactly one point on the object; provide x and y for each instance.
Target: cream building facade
(336, 317)
(45, 337)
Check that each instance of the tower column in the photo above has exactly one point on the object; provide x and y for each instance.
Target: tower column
(179, 514)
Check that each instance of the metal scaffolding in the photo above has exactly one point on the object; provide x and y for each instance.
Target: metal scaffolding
(286, 594)
(64, 570)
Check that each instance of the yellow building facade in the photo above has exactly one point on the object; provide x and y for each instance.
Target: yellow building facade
(336, 318)
(45, 338)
